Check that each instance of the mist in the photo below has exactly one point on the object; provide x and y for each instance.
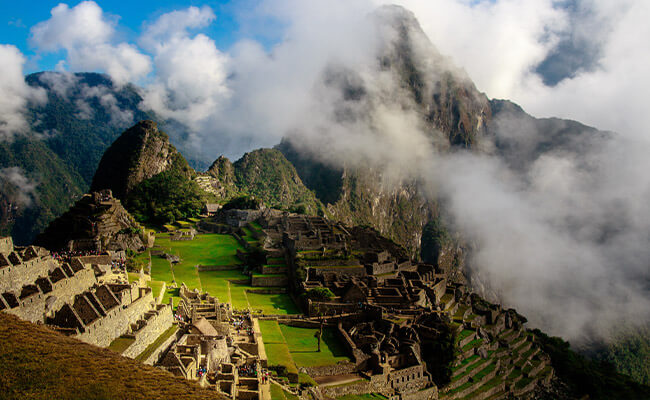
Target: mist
(557, 226)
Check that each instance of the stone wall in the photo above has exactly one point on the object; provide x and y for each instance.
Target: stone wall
(317, 308)
(35, 307)
(14, 277)
(352, 271)
(408, 379)
(342, 390)
(430, 393)
(274, 269)
(341, 368)
(6, 245)
(161, 320)
(266, 281)
(378, 269)
(117, 321)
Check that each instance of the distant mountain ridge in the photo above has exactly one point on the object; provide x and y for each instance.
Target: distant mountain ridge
(83, 115)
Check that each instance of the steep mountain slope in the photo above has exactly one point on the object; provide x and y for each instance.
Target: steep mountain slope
(83, 114)
(446, 97)
(138, 154)
(145, 170)
(265, 174)
(69, 369)
(35, 187)
(96, 222)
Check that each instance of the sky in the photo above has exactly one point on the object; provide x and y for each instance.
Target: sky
(579, 59)
(564, 236)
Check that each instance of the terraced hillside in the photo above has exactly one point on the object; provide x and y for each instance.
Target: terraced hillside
(496, 356)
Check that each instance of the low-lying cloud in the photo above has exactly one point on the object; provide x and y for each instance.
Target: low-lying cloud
(560, 232)
(16, 94)
(21, 189)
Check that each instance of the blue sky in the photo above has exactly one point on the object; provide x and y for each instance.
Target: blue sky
(231, 25)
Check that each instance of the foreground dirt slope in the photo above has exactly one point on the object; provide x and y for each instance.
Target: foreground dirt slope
(37, 363)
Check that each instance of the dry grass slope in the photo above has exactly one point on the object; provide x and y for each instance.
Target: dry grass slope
(37, 363)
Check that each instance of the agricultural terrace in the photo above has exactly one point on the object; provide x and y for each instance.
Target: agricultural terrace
(229, 285)
(294, 347)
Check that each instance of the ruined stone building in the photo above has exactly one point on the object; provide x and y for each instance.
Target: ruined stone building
(73, 299)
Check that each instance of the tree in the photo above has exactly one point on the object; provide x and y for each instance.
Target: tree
(320, 294)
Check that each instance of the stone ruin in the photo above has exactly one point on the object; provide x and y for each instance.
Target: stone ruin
(390, 312)
(97, 222)
(68, 296)
(221, 350)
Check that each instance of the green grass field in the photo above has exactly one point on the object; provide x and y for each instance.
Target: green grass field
(208, 249)
(271, 332)
(213, 249)
(156, 287)
(304, 347)
(277, 393)
(300, 345)
(120, 344)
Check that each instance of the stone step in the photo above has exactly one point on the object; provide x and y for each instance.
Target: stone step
(487, 373)
(471, 370)
(486, 390)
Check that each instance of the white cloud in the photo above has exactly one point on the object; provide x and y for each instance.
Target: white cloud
(613, 96)
(190, 80)
(500, 43)
(21, 190)
(16, 94)
(87, 35)
(496, 42)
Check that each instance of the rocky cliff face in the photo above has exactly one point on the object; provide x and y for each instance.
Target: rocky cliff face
(138, 154)
(450, 111)
(446, 97)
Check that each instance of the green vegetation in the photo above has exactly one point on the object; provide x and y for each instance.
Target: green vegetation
(64, 154)
(629, 352)
(277, 393)
(267, 175)
(156, 287)
(243, 202)
(289, 348)
(165, 198)
(226, 285)
(302, 344)
(320, 294)
(434, 237)
(598, 380)
(120, 344)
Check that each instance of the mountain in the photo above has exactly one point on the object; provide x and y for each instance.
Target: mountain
(154, 180)
(38, 363)
(265, 174)
(96, 222)
(138, 154)
(83, 115)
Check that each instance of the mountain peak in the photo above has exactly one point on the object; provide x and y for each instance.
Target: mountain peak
(141, 152)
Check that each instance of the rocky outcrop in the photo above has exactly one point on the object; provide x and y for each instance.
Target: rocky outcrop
(222, 178)
(138, 154)
(96, 222)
